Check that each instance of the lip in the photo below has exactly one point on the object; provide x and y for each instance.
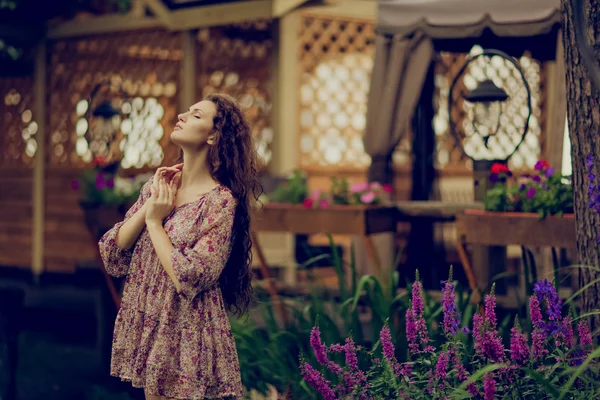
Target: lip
(178, 127)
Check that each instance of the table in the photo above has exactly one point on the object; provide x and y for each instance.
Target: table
(504, 229)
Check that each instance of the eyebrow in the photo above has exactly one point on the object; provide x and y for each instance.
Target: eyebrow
(196, 109)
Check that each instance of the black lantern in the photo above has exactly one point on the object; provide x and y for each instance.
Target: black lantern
(487, 99)
(488, 102)
(104, 121)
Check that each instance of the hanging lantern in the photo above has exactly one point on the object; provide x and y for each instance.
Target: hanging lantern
(104, 126)
(488, 100)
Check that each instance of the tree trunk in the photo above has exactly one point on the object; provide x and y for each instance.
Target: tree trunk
(583, 109)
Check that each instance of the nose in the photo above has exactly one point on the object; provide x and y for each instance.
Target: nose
(181, 116)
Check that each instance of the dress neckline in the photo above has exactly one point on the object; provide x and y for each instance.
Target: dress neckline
(198, 199)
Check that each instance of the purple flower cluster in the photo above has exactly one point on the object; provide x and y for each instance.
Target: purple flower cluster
(416, 328)
(519, 349)
(489, 387)
(545, 290)
(539, 334)
(103, 183)
(487, 340)
(441, 368)
(318, 382)
(389, 353)
(451, 315)
(321, 352)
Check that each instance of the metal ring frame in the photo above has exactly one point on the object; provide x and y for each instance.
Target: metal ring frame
(471, 58)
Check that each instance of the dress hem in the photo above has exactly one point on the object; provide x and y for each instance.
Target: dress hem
(139, 386)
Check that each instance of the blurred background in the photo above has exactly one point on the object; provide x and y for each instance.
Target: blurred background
(90, 91)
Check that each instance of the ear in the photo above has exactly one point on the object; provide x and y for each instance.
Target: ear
(212, 139)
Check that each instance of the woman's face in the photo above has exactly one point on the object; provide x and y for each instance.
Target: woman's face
(195, 126)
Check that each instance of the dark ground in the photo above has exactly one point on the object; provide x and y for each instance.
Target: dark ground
(59, 355)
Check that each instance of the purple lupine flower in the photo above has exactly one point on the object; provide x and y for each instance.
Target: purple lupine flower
(465, 330)
(538, 340)
(75, 185)
(461, 372)
(521, 187)
(535, 313)
(490, 308)
(549, 172)
(489, 387)
(411, 332)
(494, 178)
(441, 368)
(536, 178)
(519, 350)
(546, 290)
(317, 346)
(389, 353)
(351, 358)
(417, 296)
(530, 192)
(353, 378)
(473, 389)
(487, 340)
(321, 351)
(451, 316)
(416, 328)
(318, 382)
(585, 337)
(565, 337)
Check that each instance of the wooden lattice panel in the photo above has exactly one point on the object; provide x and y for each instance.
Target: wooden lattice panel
(18, 128)
(336, 59)
(513, 115)
(237, 60)
(144, 64)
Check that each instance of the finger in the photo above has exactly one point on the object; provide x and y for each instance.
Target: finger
(164, 194)
(176, 181)
(178, 166)
(171, 194)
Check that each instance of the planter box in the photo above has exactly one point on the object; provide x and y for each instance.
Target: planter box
(99, 218)
(348, 220)
(514, 228)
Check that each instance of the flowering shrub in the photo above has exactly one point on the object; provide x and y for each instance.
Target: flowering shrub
(344, 193)
(102, 185)
(542, 192)
(550, 362)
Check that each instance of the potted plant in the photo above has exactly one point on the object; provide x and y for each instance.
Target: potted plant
(530, 209)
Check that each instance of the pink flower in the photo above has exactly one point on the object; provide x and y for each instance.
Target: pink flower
(316, 195)
(489, 387)
(324, 203)
(359, 187)
(315, 379)
(387, 188)
(519, 350)
(367, 198)
(375, 186)
(308, 203)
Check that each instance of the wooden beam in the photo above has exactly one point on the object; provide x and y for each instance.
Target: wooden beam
(221, 14)
(282, 7)
(37, 253)
(102, 24)
(187, 84)
(285, 88)
(160, 11)
(364, 9)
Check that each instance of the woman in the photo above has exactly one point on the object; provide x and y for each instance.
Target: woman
(186, 250)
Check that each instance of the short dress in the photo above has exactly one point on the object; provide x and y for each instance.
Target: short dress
(177, 345)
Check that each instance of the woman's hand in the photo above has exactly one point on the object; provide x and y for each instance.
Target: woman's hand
(162, 201)
(169, 174)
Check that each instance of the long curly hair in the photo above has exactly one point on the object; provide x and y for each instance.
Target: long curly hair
(234, 163)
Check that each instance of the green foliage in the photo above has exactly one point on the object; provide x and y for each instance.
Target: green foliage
(544, 192)
(293, 190)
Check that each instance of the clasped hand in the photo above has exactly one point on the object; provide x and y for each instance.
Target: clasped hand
(164, 190)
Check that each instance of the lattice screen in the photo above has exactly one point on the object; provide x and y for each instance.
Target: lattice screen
(145, 65)
(505, 76)
(237, 60)
(336, 59)
(18, 127)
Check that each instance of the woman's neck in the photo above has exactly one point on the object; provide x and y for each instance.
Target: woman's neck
(195, 170)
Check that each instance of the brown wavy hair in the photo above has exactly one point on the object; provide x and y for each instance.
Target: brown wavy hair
(234, 163)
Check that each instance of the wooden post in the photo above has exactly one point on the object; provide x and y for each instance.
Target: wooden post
(37, 254)
(285, 89)
(487, 260)
(187, 86)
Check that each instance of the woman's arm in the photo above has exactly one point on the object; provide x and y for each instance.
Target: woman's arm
(198, 267)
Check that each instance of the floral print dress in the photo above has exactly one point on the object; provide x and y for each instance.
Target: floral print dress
(177, 345)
